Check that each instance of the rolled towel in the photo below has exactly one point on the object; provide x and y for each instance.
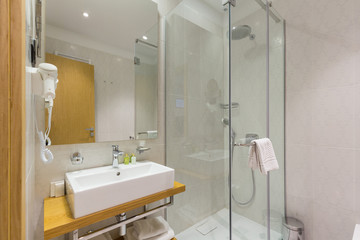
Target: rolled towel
(262, 155)
(132, 235)
(150, 227)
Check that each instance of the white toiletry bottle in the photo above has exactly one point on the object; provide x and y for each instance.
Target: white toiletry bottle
(133, 159)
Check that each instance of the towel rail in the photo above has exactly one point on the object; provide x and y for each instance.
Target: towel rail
(244, 144)
(247, 141)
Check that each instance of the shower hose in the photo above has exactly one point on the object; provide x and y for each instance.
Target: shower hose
(253, 184)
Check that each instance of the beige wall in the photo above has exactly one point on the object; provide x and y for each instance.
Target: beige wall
(322, 113)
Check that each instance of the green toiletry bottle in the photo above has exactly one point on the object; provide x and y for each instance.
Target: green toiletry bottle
(126, 159)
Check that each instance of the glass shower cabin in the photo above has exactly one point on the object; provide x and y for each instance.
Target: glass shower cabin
(225, 84)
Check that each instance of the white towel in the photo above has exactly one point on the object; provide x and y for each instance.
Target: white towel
(150, 227)
(262, 155)
(132, 235)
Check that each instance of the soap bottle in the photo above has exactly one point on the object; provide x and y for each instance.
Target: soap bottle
(126, 159)
(133, 159)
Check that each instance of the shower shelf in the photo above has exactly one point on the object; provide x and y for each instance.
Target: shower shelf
(58, 219)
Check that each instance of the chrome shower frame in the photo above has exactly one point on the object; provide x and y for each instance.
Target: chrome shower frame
(273, 14)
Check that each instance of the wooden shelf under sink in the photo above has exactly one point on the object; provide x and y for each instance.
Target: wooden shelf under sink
(58, 219)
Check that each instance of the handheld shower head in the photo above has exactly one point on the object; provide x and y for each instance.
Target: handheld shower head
(225, 122)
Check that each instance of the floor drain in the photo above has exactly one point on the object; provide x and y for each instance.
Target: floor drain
(206, 227)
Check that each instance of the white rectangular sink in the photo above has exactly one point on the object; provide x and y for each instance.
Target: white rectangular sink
(96, 189)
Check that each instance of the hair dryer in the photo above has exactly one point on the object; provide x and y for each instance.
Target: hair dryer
(48, 74)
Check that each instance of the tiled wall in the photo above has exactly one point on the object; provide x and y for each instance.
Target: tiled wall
(323, 115)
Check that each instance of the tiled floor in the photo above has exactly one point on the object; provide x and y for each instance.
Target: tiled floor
(215, 227)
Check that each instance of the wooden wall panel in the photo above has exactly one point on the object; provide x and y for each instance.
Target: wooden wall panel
(17, 119)
(4, 120)
(12, 119)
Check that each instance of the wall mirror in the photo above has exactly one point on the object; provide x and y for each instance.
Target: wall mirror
(106, 54)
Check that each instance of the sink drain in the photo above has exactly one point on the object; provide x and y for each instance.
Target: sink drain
(118, 174)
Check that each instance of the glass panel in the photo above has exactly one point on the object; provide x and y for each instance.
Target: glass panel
(248, 76)
(195, 133)
(277, 120)
(146, 76)
(249, 119)
(200, 128)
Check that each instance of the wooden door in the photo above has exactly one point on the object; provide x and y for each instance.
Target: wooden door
(74, 108)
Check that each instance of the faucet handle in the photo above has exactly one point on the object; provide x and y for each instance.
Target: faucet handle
(115, 147)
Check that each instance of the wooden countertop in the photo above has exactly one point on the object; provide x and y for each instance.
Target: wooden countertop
(58, 219)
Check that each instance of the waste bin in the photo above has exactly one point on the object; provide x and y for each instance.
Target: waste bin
(293, 229)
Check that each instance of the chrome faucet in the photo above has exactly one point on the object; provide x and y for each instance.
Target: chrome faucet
(115, 155)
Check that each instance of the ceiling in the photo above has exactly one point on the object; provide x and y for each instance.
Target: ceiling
(113, 22)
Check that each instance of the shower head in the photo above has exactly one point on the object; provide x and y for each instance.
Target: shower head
(242, 31)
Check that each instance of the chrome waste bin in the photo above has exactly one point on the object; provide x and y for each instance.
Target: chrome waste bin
(293, 229)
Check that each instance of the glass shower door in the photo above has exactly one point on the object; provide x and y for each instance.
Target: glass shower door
(257, 95)
(195, 76)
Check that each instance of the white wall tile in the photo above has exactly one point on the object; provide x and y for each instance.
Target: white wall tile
(333, 117)
(334, 177)
(300, 171)
(322, 115)
(331, 222)
(299, 117)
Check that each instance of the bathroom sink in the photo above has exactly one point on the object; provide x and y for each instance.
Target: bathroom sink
(96, 189)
